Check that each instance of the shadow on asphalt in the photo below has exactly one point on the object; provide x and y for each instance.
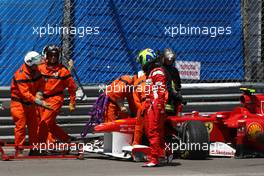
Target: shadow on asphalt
(173, 164)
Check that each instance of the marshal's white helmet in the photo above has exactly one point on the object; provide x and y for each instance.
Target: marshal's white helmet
(32, 58)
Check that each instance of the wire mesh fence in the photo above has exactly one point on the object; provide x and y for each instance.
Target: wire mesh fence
(252, 13)
(22, 27)
(215, 41)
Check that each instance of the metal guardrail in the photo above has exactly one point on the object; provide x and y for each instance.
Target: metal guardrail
(204, 97)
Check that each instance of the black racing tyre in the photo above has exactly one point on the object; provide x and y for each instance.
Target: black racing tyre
(195, 137)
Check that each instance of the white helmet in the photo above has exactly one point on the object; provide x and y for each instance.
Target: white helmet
(32, 58)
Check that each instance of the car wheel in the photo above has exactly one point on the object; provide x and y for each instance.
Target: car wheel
(194, 142)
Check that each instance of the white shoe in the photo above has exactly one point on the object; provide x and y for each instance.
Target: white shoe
(150, 164)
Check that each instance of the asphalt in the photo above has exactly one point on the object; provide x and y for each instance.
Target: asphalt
(97, 165)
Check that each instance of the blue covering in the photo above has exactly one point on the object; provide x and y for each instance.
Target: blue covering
(128, 26)
(17, 36)
(124, 28)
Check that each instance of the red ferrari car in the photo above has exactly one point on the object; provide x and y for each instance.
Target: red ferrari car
(227, 133)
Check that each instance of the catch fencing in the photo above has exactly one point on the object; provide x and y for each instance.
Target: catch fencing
(215, 41)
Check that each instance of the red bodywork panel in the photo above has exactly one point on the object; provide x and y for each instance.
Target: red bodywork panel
(123, 125)
(222, 126)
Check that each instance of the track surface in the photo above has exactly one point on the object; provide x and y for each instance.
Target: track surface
(100, 165)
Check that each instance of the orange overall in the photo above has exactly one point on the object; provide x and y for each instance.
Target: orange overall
(57, 79)
(117, 91)
(139, 98)
(24, 87)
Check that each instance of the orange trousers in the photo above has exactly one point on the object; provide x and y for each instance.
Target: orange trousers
(48, 123)
(24, 116)
(113, 112)
(139, 129)
(51, 138)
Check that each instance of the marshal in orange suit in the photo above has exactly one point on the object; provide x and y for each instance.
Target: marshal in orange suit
(119, 90)
(26, 82)
(57, 78)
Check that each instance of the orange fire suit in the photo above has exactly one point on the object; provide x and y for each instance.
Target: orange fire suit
(57, 79)
(139, 98)
(117, 91)
(24, 86)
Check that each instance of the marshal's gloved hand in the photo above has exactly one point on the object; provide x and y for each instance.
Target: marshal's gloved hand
(39, 95)
(120, 103)
(71, 107)
(70, 64)
(124, 109)
(43, 104)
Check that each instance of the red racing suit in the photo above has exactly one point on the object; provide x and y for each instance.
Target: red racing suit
(155, 113)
